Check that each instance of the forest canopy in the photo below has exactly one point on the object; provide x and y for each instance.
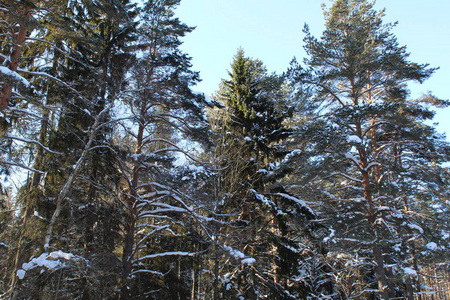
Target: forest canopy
(120, 181)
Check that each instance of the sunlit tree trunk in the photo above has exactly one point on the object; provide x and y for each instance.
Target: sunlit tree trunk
(18, 39)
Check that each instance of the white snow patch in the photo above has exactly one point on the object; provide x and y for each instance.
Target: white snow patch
(351, 156)
(248, 261)
(48, 261)
(415, 227)
(299, 202)
(396, 247)
(36, 214)
(21, 273)
(372, 164)
(290, 155)
(195, 168)
(61, 254)
(274, 165)
(359, 199)
(239, 256)
(14, 75)
(410, 271)
(195, 171)
(330, 236)
(169, 253)
(354, 139)
(226, 282)
(262, 198)
(233, 252)
(431, 246)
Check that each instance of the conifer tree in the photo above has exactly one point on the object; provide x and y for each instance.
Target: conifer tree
(162, 107)
(25, 79)
(373, 159)
(269, 227)
(78, 69)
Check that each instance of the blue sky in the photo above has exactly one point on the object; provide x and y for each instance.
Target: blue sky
(272, 32)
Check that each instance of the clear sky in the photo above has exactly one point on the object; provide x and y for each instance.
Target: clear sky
(271, 30)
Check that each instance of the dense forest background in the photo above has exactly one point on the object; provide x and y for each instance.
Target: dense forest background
(120, 182)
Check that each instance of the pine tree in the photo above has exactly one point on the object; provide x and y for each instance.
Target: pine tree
(19, 22)
(159, 223)
(80, 61)
(369, 149)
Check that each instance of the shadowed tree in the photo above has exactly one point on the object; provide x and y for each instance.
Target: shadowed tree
(268, 228)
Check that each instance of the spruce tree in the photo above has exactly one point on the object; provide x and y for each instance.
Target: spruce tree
(26, 64)
(77, 70)
(268, 227)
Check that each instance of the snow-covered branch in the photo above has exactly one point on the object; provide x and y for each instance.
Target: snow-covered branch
(346, 176)
(21, 139)
(162, 254)
(63, 193)
(46, 75)
(16, 164)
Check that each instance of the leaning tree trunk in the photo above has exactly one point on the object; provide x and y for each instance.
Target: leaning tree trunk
(67, 186)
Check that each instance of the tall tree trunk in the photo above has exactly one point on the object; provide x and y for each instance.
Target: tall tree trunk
(127, 256)
(194, 280)
(35, 179)
(409, 289)
(15, 56)
(131, 201)
(379, 270)
(371, 218)
(129, 237)
(377, 249)
(216, 273)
